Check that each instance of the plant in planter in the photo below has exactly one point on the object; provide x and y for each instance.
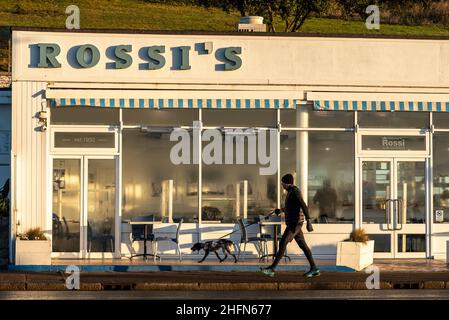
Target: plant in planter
(33, 248)
(33, 234)
(356, 252)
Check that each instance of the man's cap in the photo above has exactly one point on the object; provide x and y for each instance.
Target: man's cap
(288, 179)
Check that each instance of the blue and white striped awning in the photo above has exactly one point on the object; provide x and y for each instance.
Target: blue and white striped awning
(175, 103)
(339, 105)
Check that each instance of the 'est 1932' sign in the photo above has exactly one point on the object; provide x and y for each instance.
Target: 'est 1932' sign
(88, 56)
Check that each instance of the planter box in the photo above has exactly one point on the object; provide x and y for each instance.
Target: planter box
(33, 252)
(355, 255)
(447, 252)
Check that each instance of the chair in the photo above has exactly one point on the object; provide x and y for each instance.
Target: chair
(175, 240)
(68, 234)
(324, 218)
(267, 232)
(259, 243)
(58, 231)
(138, 234)
(103, 238)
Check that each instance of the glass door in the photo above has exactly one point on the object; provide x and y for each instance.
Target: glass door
(410, 213)
(67, 206)
(84, 207)
(101, 207)
(394, 206)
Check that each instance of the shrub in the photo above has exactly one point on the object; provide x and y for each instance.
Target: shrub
(33, 234)
(358, 235)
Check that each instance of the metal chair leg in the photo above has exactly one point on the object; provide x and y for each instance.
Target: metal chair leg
(256, 246)
(244, 250)
(179, 252)
(266, 249)
(155, 250)
(240, 250)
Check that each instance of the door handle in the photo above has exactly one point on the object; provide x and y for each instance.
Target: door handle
(399, 203)
(388, 213)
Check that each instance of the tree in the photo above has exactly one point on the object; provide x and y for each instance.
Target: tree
(359, 6)
(244, 7)
(292, 12)
(295, 12)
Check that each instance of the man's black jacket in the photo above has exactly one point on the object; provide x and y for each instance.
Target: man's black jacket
(294, 203)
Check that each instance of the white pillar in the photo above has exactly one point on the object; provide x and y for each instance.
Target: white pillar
(237, 200)
(245, 199)
(302, 151)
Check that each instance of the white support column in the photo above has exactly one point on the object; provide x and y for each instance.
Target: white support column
(237, 200)
(200, 170)
(429, 191)
(278, 159)
(404, 214)
(245, 199)
(302, 151)
(119, 191)
(429, 203)
(170, 201)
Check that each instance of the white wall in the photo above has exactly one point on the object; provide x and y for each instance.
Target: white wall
(29, 148)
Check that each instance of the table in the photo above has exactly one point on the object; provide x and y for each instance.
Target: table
(145, 254)
(275, 224)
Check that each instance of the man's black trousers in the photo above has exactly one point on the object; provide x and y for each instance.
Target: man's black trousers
(293, 232)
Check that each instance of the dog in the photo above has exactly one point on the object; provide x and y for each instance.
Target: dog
(214, 246)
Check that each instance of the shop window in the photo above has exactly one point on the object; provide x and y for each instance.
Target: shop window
(84, 116)
(238, 189)
(378, 119)
(306, 116)
(330, 160)
(441, 178)
(156, 117)
(441, 120)
(150, 179)
(239, 118)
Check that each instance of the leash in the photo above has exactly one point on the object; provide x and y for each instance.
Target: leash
(265, 217)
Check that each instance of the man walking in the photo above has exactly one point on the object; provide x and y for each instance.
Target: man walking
(294, 220)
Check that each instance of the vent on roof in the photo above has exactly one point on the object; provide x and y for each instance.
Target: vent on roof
(251, 24)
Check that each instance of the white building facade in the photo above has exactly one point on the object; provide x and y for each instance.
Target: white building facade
(361, 123)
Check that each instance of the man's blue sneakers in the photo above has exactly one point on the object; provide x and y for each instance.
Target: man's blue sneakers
(267, 271)
(315, 272)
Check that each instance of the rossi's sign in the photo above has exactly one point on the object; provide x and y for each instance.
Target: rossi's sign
(120, 56)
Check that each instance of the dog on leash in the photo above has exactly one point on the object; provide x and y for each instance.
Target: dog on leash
(214, 246)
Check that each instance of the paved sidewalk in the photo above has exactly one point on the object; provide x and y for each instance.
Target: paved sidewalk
(394, 274)
(205, 280)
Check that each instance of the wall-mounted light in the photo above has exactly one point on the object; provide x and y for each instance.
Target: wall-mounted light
(42, 118)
